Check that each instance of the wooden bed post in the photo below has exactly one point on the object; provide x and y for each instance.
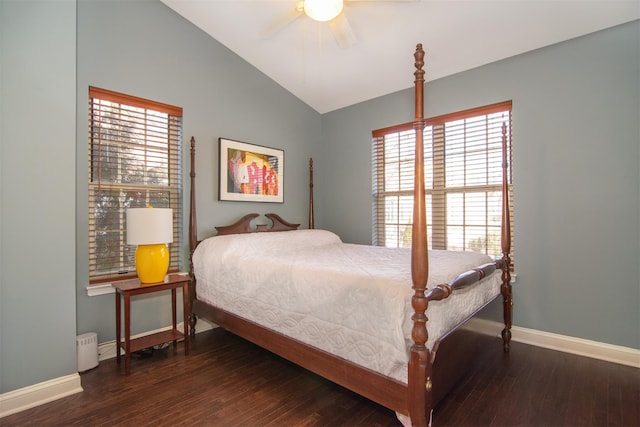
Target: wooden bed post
(193, 236)
(420, 383)
(505, 288)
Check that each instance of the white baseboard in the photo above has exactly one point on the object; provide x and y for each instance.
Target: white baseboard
(596, 350)
(107, 350)
(39, 394)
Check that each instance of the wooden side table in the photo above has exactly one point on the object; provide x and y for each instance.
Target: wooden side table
(129, 288)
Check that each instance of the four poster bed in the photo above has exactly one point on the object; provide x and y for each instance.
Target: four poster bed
(354, 314)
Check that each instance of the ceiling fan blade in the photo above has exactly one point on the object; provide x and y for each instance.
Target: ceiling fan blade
(279, 24)
(342, 31)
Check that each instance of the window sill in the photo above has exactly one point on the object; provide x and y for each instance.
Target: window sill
(100, 289)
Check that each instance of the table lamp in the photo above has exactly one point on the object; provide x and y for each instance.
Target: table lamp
(150, 229)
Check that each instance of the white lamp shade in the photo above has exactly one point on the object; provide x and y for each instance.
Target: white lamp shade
(322, 10)
(149, 226)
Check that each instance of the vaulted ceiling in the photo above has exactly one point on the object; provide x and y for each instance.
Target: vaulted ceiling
(457, 35)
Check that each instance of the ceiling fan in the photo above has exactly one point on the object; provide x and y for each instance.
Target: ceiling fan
(329, 11)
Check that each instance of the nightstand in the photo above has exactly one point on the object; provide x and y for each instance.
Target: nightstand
(129, 288)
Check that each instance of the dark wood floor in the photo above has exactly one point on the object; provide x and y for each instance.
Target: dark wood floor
(227, 381)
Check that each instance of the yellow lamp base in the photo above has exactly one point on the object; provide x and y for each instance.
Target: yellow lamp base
(152, 262)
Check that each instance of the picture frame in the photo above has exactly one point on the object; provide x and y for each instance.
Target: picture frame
(250, 172)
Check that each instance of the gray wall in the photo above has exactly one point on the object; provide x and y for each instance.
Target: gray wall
(156, 54)
(37, 192)
(576, 175)
(577, 276)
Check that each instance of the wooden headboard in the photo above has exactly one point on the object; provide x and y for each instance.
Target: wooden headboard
(243, 225)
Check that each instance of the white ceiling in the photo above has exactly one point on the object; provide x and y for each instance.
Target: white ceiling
(457, 35)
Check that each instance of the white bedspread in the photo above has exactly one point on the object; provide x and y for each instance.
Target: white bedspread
(353, 301)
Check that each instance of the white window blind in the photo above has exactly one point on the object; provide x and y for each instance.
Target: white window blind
(134, 161)
(463, 180)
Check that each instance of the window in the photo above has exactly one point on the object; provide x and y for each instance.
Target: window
(134, 161)
(463, 180)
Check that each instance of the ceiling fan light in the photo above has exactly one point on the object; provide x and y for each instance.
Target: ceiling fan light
(322, 10)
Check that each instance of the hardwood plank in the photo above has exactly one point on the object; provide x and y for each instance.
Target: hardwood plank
(227, 381)
(628, 394)
(561, 379)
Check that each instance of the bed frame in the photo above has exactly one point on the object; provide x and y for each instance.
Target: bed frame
(429, 378)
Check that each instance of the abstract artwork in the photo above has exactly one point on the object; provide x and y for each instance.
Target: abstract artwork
(250, 173)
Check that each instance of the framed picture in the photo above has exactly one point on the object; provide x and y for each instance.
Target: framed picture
(250, 173)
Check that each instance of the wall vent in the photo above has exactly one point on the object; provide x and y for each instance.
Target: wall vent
(87, 349)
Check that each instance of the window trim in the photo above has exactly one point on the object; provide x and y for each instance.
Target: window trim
(378, 178)
(173, 170)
